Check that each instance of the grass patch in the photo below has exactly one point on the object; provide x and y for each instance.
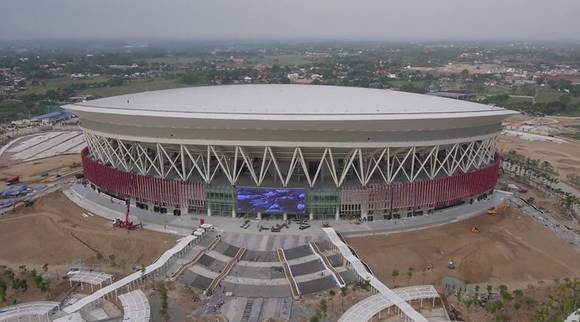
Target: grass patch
(134, 86)
(574, 136)
(58, 83)
(174, 60)
(284, 60)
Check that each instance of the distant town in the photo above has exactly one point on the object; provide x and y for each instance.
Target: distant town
(324, 204)
(538, 79)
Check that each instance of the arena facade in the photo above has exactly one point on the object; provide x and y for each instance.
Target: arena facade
(283, 150)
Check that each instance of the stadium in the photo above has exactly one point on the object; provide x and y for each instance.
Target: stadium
(290, 150)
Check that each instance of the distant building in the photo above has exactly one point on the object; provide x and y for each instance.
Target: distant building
(455, 95)
(316, 77)
(52, 117)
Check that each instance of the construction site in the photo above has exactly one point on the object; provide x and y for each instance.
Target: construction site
(55, 236)
(122, 246)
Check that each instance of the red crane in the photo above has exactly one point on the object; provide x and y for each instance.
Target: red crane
(126, 224)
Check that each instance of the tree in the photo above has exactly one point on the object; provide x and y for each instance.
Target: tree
(323, 307)
(163, 310)
(570, 201)
(2, 290)
(409, 275)
(45, 268)
(395, 274)
(489, 288)
(332, 293)
(343, 292)
(366, 285)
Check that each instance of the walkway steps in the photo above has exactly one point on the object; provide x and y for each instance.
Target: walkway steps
(194, 260)
(339, 280)
(288, 272)
(225, 271)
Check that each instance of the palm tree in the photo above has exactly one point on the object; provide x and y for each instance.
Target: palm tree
(570, 201)
(409, 275)
(395, 274)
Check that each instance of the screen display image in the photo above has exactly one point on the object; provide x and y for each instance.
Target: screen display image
(270, 200)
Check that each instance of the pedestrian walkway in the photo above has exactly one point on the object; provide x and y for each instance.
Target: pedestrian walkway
(134, 278)
(407, 310)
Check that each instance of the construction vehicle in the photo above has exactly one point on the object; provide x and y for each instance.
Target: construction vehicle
(475, 230)
(129, 225)
(451, 265)
(13, 180)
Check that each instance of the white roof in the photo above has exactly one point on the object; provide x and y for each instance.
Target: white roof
(284, 102)
(574, 316)
(26, 310)
(370, 306)
(74, 317)
(136, 307)
(94, 278)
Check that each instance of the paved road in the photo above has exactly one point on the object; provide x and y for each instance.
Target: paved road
(108, 207)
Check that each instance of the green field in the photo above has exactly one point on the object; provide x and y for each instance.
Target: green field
(133, 86)
(400, 83)
(173, 60)
(284, 60)
(57, 83)
(546, 95)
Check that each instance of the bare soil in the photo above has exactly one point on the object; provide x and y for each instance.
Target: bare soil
(565, 157)
(40, 171)
(53, 231)
(511, 248)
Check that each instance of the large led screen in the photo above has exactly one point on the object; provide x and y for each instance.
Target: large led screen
(270, 200)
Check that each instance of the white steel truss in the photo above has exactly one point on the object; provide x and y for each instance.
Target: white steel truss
(336, 165)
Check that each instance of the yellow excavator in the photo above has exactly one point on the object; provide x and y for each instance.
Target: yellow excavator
(493, 210)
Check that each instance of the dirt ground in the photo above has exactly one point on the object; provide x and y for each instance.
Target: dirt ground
(510, 249)
(32, 171)
(565, 157)
(54, 232)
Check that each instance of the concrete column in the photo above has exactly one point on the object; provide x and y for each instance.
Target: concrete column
(208, 210)
(364, 214)
(337, 214)
(285, 216)
(311, 216)
(233, 212)
(259, 215)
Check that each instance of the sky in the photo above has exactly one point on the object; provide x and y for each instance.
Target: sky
(394, 20)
